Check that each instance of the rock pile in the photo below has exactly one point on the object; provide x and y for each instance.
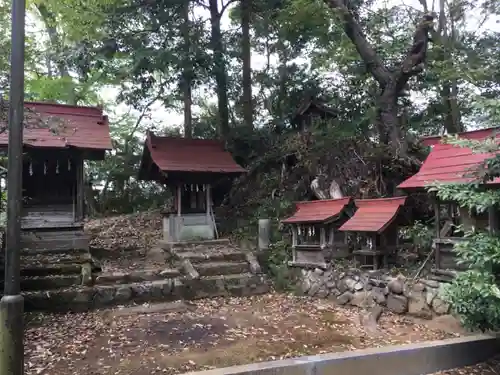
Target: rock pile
(422, 298)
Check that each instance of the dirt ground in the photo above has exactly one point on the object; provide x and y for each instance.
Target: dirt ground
(211, 333)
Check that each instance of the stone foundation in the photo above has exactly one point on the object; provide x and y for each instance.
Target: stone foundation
(422, 298)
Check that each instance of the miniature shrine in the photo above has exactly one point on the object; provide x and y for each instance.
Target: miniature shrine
(376, 227)
(56, 145)
(310, 111)
(447, 163)
(315, 233)
(192, 169)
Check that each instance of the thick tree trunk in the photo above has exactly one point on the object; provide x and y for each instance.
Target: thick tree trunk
(246, 7)
(449, 88)
(392, 82)
(219, 68)
(187, 72)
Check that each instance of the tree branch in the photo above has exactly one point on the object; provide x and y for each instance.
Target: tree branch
(224, 7)
(365, 49)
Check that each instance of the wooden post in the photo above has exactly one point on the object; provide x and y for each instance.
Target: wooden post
(437, 230)
(79, 169)
(264, 234)
(294, 235)
(209, 202)
(179, 196)
(322, 237)
(493, 221)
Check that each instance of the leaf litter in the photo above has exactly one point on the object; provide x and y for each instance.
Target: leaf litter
(216, 332)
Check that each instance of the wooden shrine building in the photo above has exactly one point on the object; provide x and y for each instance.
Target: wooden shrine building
(191, 168)
(376, 225)
(57, 140)
(310, 111)
(315, 231)
(451, 164)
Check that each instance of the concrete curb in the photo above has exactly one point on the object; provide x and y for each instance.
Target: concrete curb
(413, 359)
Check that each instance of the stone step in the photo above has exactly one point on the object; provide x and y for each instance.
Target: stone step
(221, 268)
(51, 269)
(110, 278)
(212, 256)
(81, 298)
(57, 258)
(55, 240)
(50, 282)
(166, 245)
(55, 251)
(238, 284)
(44, 264)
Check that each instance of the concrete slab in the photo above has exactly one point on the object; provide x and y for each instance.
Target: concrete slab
(415, 359)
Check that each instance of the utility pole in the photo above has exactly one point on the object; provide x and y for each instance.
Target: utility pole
(12, 303)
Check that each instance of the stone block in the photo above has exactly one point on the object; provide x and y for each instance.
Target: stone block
(344, 298)
(378, 296)
(396, 286)
(362, 299)
(440, 307)
(104, 295)
(123, 294)
(417, 305)
(254, 264)
(397, 303)
(86, 274)
(141, 291)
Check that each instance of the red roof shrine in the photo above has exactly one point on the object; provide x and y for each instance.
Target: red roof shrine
(317, 211)
(175, 154)
(60, 126)
(373, 215)
(448, 163)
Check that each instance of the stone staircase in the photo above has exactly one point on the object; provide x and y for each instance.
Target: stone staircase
(52, 260)
(227, 268)
(59, 274)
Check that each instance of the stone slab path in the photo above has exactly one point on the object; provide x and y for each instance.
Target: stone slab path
(173, 339)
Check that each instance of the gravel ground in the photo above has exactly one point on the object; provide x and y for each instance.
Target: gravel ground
(213, 333)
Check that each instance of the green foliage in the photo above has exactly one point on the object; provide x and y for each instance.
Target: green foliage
(467, 195)
(420, 235)
(475, 297)
(275, 262)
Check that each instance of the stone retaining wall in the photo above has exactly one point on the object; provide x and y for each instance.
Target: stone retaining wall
(422, 298)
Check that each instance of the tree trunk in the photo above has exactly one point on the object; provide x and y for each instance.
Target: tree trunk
(187, 72)
(219, 68)
(246, 8)
(392, 82)
(449, 88)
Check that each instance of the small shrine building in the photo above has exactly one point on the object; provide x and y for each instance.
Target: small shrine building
(376, 225)
(450, 164)
(315, 231)
(57, 140)
(192, 170)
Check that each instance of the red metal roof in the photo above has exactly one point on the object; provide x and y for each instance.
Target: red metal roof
(317, 211)
(175, 154)
(67, 126)
(373, 215)
(479, 134)
(448, 163)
